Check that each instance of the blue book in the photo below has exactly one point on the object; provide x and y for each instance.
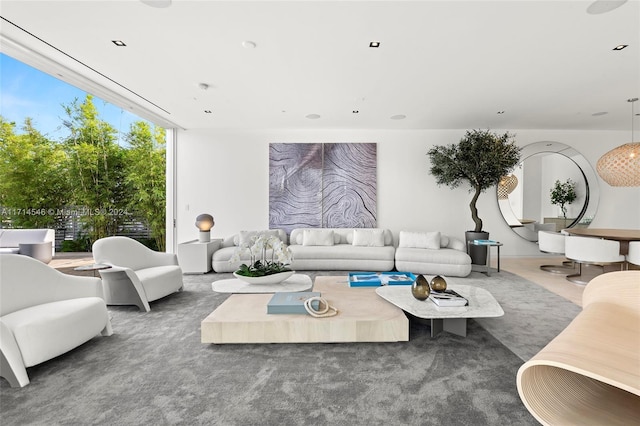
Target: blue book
(291, 302)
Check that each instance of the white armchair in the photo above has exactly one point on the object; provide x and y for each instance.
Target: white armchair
(44, 313)
(591, 251)
(138, 275)
(553, 242)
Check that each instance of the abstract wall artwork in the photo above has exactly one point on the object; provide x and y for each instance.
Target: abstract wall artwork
(322, 185)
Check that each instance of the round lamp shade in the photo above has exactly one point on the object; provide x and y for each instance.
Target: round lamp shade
(621, 165)
(506, 186)
(204, 222)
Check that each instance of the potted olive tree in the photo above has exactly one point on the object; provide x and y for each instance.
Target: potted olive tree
(479, 160)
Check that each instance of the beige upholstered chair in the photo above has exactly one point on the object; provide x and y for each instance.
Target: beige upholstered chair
(553, 243)
(44, 313)
(591, 251)
(138, 275)
(634, 253)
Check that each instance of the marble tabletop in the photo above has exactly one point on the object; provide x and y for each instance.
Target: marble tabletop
(296, 282)
(482, 304)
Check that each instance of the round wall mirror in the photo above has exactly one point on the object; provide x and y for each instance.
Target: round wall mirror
(524, 197)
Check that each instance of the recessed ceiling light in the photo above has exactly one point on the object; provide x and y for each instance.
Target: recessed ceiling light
(500, 112)
(620, 46)
(248, 44)
(118, 43)
(203, 86)
(312, 116)
(208, 111)
(374, 44)
(597, 114)
(398, 117)
(355, 111)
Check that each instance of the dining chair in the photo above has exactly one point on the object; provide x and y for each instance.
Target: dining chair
(633, 256)
(591, 251)
(553, 243)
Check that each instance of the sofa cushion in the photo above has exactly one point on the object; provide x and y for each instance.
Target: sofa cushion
(10, 250)
(368, 237)
(244, 237)
(160, 281)
(317, 237)
(422, 240)
(43, 331)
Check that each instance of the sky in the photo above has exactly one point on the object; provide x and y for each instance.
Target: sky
(27, 92)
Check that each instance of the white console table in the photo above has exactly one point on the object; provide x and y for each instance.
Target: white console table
(194, 257)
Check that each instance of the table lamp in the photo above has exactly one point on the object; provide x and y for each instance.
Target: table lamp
(204, 223)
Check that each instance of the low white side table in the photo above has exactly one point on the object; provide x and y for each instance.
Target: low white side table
(194, 257)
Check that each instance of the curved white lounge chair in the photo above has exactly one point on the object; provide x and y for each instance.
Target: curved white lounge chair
(138, 275)
(44, 313)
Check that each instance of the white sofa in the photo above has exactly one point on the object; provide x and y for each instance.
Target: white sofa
(44, 313)
(323, 249)
(432, 253)
(10, 239)
(345, 249)
(138, 275)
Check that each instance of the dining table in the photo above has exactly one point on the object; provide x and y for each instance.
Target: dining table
(621, 235)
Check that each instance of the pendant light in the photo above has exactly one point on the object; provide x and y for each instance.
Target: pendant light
(621, 165)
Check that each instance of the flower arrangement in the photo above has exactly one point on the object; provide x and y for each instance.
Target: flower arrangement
(259, 265)
(563, 193)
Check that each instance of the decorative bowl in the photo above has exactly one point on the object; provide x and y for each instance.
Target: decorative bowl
(266, 279)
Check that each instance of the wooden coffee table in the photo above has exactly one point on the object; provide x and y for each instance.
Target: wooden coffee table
(363, 316)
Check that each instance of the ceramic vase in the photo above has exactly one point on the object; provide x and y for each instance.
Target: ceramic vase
(438, 283)
(266, 279)
(420, 288)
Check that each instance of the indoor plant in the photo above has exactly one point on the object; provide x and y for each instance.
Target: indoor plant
(563, 193)
(273, 265)
(479, 159)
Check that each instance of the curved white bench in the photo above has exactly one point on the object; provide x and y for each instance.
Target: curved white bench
(590, 373)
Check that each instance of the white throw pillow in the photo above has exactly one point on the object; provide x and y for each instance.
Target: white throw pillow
(317, 237)
(424, 240)
(368, 237)
(244, 237)
(444, 241)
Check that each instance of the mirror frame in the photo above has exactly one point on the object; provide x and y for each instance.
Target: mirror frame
(592, 193)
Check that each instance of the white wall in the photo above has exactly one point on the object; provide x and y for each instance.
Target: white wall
(225, 173)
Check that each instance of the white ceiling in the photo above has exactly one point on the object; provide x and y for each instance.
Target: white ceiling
(442, 64)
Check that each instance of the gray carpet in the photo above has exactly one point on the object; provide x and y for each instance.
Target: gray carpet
(155, 371)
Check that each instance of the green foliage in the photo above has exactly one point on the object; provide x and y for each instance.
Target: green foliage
(261, 268)
(563, 193)
(96, 169)
(40, 179)
(479, 160)
(33, 179)
(80, 244)
(145, 178)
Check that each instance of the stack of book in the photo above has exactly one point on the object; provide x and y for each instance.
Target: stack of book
(485, 242)
(291, 302)
(447, 298)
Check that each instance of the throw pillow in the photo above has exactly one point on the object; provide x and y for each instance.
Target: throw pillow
(317, 237)
(444, 241)
(244, 237)
(424, 240)
(368, 237)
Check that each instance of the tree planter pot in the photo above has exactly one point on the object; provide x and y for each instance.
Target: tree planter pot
(478, 254)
